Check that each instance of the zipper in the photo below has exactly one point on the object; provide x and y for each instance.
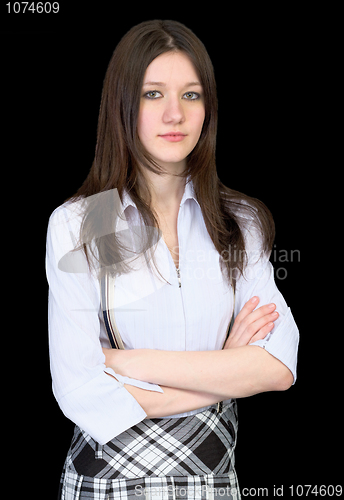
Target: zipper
(178, 276)
(181, 297)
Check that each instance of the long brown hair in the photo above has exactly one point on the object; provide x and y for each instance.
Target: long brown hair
(120, 156)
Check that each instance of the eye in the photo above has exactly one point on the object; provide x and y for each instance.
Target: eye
(152, 94)
(191, 96)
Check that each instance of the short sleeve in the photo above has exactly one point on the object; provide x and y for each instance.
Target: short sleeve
(258, 279)
(87, 395)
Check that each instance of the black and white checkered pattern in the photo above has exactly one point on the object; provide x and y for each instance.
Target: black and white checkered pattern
(163, 459)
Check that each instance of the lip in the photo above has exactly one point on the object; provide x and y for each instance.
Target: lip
(173, 136)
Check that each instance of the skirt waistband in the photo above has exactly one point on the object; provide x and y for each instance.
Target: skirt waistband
(195, 445)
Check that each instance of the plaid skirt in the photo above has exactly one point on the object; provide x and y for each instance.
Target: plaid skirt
(158, 459)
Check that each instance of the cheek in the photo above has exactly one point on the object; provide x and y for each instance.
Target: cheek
(197, 119)
(141, 125)
(146, 124)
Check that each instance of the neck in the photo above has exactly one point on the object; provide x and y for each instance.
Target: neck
(166, 190)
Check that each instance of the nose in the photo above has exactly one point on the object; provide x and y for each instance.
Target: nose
(173, 112)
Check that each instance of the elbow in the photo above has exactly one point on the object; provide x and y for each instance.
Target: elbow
(284, 379)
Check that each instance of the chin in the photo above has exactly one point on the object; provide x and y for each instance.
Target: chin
(169, 160)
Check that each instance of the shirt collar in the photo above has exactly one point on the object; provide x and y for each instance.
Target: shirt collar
(127, 201)
(189, 194)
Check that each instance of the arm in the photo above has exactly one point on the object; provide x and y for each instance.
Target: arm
(255, 359)
(172, 401)
(85, 393)
(239, 370)
(231, 373)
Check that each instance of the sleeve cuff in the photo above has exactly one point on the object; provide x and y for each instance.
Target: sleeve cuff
(283, 343)
(102, 407)
(132, 381)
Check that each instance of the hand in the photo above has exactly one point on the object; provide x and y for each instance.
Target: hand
(118, 360)
(251, 325)
(112, 359)
(108, 356)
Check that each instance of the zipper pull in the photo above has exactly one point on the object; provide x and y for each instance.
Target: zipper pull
(178, 275)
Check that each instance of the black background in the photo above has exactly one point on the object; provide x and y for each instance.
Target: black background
(266, 66)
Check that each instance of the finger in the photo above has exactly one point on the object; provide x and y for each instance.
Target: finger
(259, 313)
(245, 332)
(263, 332)
(246, 323)
(247, 309)
(255, 325)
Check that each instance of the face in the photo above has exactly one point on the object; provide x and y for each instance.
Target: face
(172, 110)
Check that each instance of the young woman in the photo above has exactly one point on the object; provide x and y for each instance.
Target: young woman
(181, 254)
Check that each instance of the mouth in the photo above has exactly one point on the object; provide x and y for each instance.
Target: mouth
(173, 136)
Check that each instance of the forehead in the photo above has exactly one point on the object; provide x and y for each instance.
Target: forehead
(171, 68)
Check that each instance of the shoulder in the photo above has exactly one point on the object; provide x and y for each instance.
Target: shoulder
(254, 220)
(70, 212)
(64, 227)
(63, 238)
(65, 224)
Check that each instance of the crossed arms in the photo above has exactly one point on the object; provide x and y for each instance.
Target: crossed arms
(193, 379)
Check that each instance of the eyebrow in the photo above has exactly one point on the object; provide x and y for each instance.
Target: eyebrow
(162, 84)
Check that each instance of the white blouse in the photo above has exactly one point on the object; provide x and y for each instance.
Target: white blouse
(189, 311)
